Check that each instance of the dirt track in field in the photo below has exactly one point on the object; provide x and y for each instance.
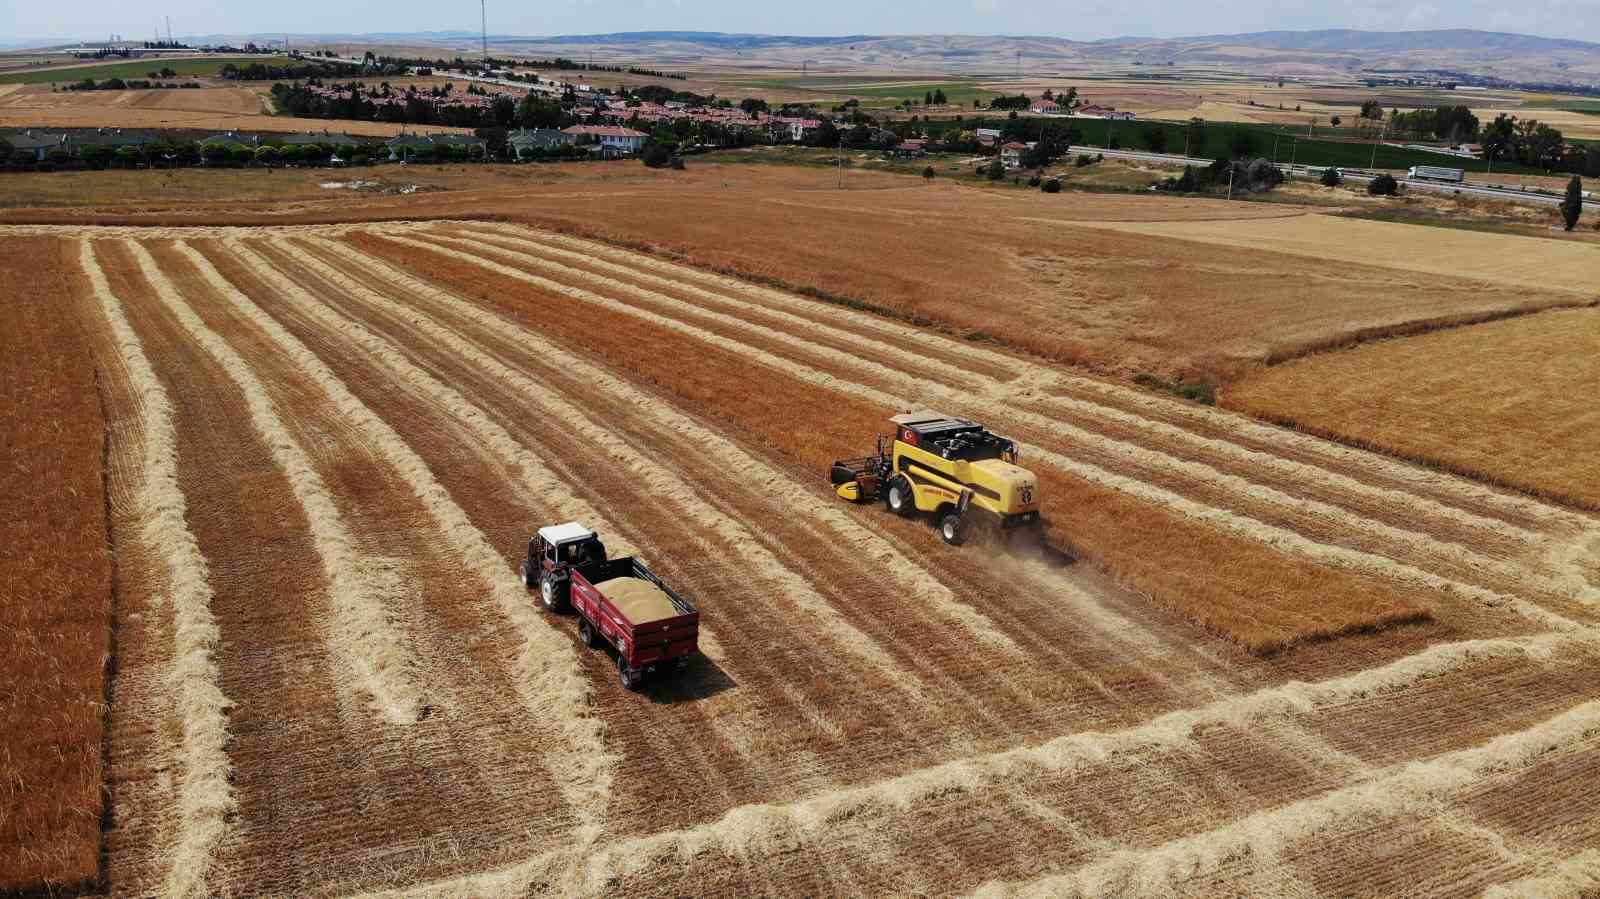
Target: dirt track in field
(356, 428)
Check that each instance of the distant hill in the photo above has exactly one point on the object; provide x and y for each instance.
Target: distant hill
(1345, 40)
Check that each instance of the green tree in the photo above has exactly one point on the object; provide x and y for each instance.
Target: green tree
(1331, 177)
(927, 98)
(654, 155)
(1572, 206)
(1051, 186)
(1383, 186)
(1373, 110)
(752, 105)
(215, 154)
(266, 154)
(939, 99)
(997, 170)
(928, 173)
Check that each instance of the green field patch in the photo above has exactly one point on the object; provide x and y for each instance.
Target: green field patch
(138, 68)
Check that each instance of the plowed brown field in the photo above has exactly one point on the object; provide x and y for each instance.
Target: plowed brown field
(1244, 660)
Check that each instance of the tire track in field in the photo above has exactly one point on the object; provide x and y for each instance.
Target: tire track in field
(750, 469)
(1422, 788)
(1147, 411)
(751, 831)
(366, 633)
(1421, 545)
(1224, 519)
(550, 681)
(538, 487)
(205, 796)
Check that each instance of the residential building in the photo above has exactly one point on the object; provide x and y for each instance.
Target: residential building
(1011, 154)
(1045, 107)
(538, 139)
(625, 141)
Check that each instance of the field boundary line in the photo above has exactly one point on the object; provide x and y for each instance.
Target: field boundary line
(748, 830)
(366, 632)
(925, 586)
(1418, 786)
(205, 796)
(1283, 538)
(1575, 586)
(550, 675)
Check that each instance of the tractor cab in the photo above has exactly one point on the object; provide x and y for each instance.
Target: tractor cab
(552, 553)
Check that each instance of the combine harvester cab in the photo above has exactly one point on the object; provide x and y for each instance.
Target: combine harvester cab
(948, 466)
(619, 602)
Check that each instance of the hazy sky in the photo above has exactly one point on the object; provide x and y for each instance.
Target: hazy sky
(1088, 19)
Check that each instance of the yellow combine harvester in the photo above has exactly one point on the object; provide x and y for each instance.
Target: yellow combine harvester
(949, 466)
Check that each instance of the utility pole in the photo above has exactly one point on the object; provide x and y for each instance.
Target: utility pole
(483, 12)
(1232, 167)
(1275, 139)
(1375, 151)
(841, 160)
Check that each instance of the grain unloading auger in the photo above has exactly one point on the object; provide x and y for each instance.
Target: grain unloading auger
(948, 466)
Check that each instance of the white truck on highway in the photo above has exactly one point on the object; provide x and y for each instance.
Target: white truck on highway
(1436, 173)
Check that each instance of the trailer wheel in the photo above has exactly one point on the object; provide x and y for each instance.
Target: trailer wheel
(953, 529)
(630, 681)
(553, 594)
(898, 496)
(586, 633)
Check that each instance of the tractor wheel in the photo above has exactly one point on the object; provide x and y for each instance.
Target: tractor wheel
(630, 681)
(899, 498)
(586, 633)
(527, 577)
(553, 594)
(953, 529)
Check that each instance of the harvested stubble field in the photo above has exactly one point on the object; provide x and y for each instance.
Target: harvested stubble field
(1503, 401)
(1045, 274)
(1275, 659)
(215, 107)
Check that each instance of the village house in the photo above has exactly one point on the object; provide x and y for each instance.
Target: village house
(1045, 107)
(1011, 154)
(618, 139)
(537, 139)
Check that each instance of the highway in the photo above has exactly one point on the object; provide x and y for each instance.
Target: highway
(1355, 175)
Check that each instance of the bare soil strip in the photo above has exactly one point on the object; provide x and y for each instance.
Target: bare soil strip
(1574, 876)
(366, 630)
(552, 686)
(205, 797)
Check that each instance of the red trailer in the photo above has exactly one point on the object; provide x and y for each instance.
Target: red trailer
(619, 601)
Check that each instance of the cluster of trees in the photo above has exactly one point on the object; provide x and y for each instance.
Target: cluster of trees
(132, 84)
(1448, 123)
(262, 72)
(1020, 101)
(1237, 176)
(1531, 143)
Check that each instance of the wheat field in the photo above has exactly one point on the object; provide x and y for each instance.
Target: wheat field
(1244, 660)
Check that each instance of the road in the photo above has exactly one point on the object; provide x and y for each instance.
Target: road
(1356, 175)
